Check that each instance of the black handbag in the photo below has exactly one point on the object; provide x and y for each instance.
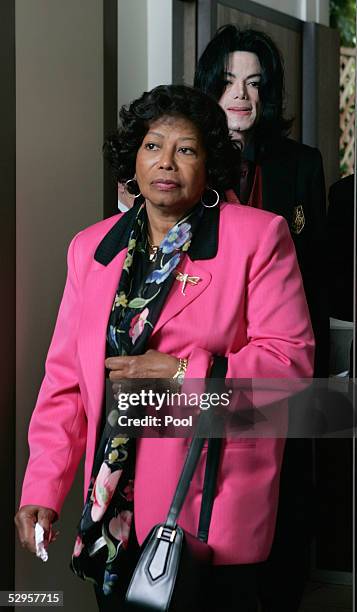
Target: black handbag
(173, 568)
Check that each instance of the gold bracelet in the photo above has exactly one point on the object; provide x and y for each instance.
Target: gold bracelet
(181, 371)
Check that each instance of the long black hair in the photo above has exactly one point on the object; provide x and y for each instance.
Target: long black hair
(213, 64)
(222, 158)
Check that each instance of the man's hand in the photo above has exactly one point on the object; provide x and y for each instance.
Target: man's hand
(25, 521)
(152, 364)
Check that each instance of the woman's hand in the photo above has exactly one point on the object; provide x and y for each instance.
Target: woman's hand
(152, 364)
(25, 521)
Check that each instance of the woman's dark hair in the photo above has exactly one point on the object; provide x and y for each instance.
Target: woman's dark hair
(213, 64)
(222, 159)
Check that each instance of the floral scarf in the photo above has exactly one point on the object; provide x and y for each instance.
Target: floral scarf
(104, 528)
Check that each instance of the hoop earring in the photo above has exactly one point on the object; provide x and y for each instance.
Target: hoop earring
(131, 195)
(215, 203)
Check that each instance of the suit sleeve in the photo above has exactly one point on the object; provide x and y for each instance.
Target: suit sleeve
(58, 427)
(280, 342)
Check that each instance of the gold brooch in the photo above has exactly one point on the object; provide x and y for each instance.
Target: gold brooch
(298, 222)
(185, 278)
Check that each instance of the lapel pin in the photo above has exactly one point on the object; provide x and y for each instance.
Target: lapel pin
(186, 279)
(298, 220)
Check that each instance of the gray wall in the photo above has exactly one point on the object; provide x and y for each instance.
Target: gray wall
(59, 113)
(144, 46)
(132, 50)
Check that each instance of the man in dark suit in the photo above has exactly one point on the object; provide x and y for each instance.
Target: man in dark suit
(243, 71)
(340, 230)
(340, 223)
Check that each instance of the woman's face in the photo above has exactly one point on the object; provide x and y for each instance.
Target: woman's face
(170, 165)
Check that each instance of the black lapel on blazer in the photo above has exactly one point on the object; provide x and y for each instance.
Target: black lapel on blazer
(279, 173)
(117, 238)
(204, 243)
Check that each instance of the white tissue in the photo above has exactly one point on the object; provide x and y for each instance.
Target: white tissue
(41, 551)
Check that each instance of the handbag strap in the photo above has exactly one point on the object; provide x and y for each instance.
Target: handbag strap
(209, 487)
(184, 482)
(218, 370)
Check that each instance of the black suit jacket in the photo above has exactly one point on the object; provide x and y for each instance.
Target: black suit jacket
(294, 187)
(340, 248)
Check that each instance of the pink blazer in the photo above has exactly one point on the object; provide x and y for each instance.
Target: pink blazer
(248, 306)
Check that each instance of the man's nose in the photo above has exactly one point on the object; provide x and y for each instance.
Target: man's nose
(240, 90)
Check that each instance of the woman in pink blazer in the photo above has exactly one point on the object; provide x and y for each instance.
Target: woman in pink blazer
(222, 285)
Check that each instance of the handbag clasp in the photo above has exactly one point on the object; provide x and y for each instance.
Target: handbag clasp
(166, 533)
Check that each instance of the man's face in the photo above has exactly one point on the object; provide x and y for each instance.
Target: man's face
(240, 99)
